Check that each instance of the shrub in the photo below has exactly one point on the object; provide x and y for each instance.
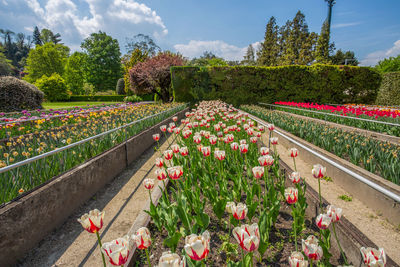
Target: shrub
(53, 87)
(107, 92)
(133, 98)
(247, 84)
(120, 89)
(389, 92)
(17, 95)
(108, 98)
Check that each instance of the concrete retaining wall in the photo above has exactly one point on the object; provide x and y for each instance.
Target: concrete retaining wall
(25, 222)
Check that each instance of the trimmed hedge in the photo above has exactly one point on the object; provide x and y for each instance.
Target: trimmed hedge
(248, 84)
(17, 95)
(389, 92)
(108, 98)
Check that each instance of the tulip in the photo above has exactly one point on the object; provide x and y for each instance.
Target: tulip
(311, 248)
(373, 257)
(293, 152)
(253, 139)
(323, 221)
(261, 128)
(148, 183)
(199, 147)
(271, 127)
(156, 137)
(206, 150)
(175, 118)
(244, 148)
(296, 259)
(169, 259)
(117, 250)
(295, 177)
(177, 130)
(230, 206)
(258, 172)
(142, 240)
(213, 140)
(234, 146)
(239, 211)
(319, 171)
(168, 154)
(163, 128)
(172, 125)
(161, 174)
(92, 223)
(247, 236)
(175, 148)
(175, 172)
(197, 139)
(219, 154)
(274, 140)
(197, 247)
(242, 142)
(291, 195)
(170, 130)
(264, 151)
(184, 151)
(335, 214)
(159, 162)
(266, 160)
(250, 131)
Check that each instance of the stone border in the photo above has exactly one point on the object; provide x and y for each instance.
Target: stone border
(26, 221)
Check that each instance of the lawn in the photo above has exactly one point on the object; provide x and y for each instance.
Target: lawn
(57, 105)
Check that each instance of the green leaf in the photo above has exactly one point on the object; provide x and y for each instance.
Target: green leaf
(172, 242)
(219, 208)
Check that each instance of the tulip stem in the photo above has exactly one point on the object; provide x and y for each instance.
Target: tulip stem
(102, 255)
(203, 263)
(151, 200)
(294, 163)
(311, 261)
(340, 247)
(243, 263)
(148, 257)
(320, 197)
(294, 226)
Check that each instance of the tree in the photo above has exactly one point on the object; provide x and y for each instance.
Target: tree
(47, 36)
(323, 48)
(389, 64)
(208, 59)
(268, 53)
(153, 75)
(5, 64)
(344, 58)
(249, 58)
(36, 36)
(53, 87)
(136, 56)
(74, 73)
(103, 64)
(45, 60)
(143, 43)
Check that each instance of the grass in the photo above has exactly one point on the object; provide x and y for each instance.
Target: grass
(346, 198)
(56, 105)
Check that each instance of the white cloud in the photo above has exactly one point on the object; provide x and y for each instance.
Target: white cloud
(344, 25)
(219, 48)
(373, 58)
(119, 18)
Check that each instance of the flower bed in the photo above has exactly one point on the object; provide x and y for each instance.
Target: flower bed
(371, 113)
(375, 156)
(228, 204)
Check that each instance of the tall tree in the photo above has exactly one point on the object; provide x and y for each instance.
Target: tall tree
(249, 58)
(135, 57)
(5, 64)
(344, 58)
(269, 51)
(47, 36)
(142, 42)
(323, 48)
(36, 36)
(389, 64)
(103, 65)
(74, 73)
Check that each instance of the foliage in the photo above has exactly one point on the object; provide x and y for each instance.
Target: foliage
(246, 84)
(16, 47)
(249, 58)
(389, 64)
(36, 36)
(120, 88)
(269, 50)
(144, 43)
(88, 89)
(5, 64)
(153, 75)
(323, 48)
(133, 98)
(108, 98)
(17, 95)
(136, 56)
(207, 59)
(45, 60)
(47, 36)
(344, 58)
(103, 64)
(74, 73)
(389, 92)
(53, 87)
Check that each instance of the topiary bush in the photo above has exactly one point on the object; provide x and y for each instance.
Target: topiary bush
(120, 89)
(17, 95)
(389, 92)
(53, 87)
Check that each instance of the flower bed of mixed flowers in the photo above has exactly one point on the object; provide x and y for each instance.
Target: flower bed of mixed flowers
(359, 111)
(13, 150)
(371, 154)
(227, 204)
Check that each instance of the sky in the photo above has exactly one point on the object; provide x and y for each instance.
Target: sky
(370, 28)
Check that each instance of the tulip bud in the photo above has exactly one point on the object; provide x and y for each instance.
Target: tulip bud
(213, 139)
(148, 183)
(373, 257)
(175, 172)
(258, 172)
(296, 259)
(253, 139)
(291, 195)
(295, 177)
(261, 128)
(197, 247)
(239, 212)
(156, 137)
(197, 139)
(311, 248)
(247, 236)
(230, 206)
(142, 238)
(271, 127)
(319, 171)
(323, 221)
(93, 221)
(175, 118)
(334, 212)
(293, 152)
(117, 250)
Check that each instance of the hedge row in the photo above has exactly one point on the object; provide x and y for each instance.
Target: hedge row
(389, 92)
(246, 84)
(108, 98)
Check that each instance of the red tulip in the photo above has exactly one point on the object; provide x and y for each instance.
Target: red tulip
(175, 172)
(168, 154)
(156, 137)
(258, 172)
(293, 152)
(117, 251)
(142, 238)
(291, 195)
(148, 183)
(93, 221)
(247, 236)
(159, 162)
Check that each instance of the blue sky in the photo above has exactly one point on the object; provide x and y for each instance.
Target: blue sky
(371, 28)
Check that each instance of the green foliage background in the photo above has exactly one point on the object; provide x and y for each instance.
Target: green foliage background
(389, 92)
(53, 87)
(247, 84)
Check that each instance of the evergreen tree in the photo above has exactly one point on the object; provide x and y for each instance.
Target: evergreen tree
(36, 36)
(268, 53)
(47, 36)
(249, 58)
(344, 58)
(323, 48)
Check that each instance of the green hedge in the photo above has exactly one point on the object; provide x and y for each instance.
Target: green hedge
(247, 84)
(389, 92)
(108, 98)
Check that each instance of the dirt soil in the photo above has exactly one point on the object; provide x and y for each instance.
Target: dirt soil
(122, 200)
(368, 221)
